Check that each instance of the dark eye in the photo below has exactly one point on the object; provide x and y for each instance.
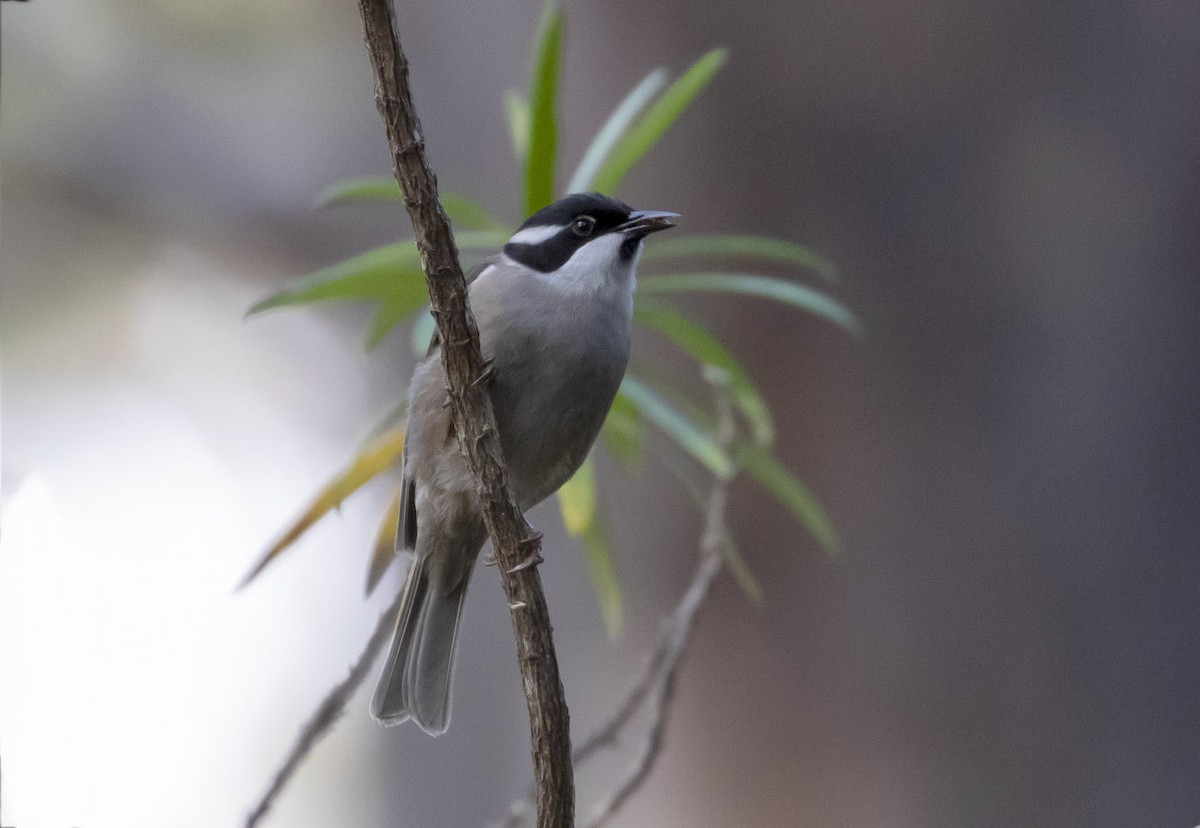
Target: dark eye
(584, 225)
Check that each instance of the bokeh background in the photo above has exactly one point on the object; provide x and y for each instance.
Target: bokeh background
(1012, 454)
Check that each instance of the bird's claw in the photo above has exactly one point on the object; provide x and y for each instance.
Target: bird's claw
(533, 559)
(534, 544)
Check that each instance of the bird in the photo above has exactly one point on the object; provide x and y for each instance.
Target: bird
(554, 310)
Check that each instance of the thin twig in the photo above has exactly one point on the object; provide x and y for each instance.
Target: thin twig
(607, 733)
(327, 714)
(513, 540)
(676, 636)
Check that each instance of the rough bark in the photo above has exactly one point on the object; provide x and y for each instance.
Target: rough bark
(512, 538)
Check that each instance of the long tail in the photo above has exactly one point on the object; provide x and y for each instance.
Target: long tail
(416, 679)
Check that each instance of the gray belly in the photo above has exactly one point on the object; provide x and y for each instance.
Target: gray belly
(551, 397)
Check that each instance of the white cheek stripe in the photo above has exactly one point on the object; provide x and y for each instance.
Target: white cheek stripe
(536, 235)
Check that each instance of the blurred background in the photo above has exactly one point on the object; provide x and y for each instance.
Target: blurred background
(1012, 455)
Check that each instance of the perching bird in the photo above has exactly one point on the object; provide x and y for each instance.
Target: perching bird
(554, 312)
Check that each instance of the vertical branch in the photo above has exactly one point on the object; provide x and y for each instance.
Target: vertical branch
(656, 680)
(474, 422)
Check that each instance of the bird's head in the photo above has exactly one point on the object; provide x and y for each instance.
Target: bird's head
(584, 229)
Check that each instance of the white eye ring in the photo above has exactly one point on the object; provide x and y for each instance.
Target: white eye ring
(583, 226)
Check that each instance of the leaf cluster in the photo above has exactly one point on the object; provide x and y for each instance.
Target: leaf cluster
(390, 278)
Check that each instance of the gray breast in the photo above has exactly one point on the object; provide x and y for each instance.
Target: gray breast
(556, 373)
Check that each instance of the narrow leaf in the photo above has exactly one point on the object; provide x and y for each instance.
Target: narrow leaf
(577, 499)
(639, 140)
(375, 458)
(614, 129)
(741, 572)
(577, 502)
(481, 239)
(704, 347)
(763, 287)
(469, 215)
(543, 111)
(758, 248)
(516, 115)
(383, 550)
(372, 188)
(389, 272)
(690, 480)
(464, 213)
(393, 269)
(678, 426)
(390, 313)
(623, 432)
(794, 495)
(737, 565)
(604, 578)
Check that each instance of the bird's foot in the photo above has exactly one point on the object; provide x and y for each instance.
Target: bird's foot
(534, 543)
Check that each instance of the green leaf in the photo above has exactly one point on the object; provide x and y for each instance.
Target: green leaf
(704, 347)
(690, 436)
(463, 212)
(543, 109)
(614, 129)
(604, 577)
(516, 114)
(577, 499)
(760, 248)
(623, 432)
(794, 495)
(690, 481)
(390, 313)
(741, 572)
(470, 215)
(393, 270)
(639, 140)
(490, 240)
(764, 287)
(577, 502)
(373, 188)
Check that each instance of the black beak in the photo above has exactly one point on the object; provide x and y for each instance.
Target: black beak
(644, 222)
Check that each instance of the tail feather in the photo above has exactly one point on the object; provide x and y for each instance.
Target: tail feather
(419, 671)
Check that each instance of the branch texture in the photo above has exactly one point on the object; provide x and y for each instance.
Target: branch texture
(474, 422)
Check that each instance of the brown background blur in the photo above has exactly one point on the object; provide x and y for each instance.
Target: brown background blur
(1012, 455)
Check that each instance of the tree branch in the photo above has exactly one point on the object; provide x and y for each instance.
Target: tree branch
(513, 540)
(673, 643)
(329, 711)
(661, 669)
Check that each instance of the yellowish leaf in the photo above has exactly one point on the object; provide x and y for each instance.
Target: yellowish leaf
(376, 457)
(384, 550)
(577, 499)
